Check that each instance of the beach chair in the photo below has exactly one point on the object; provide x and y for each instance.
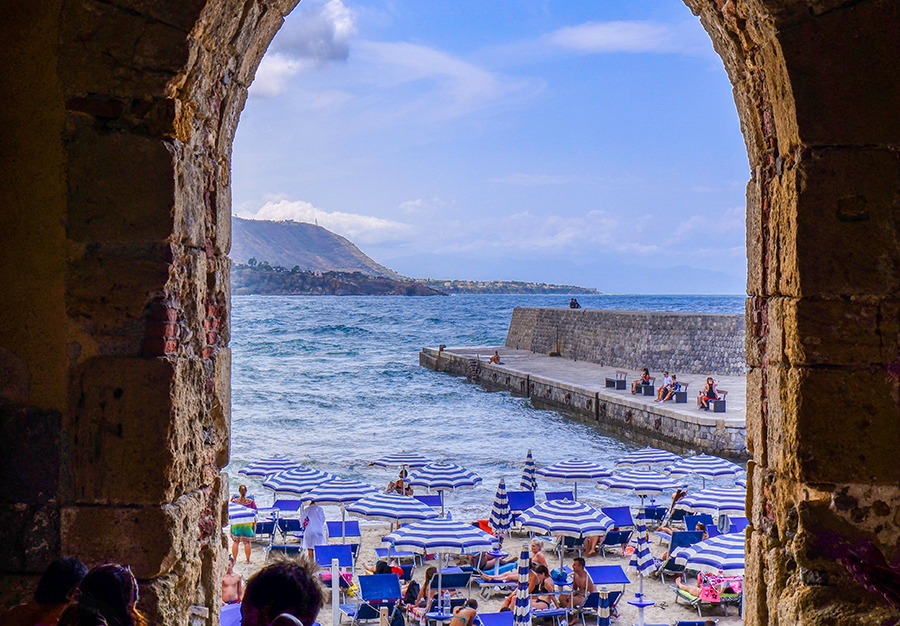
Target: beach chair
(615, 539)
(709, 594)
(738, 524)
(288, 526)
(344, 555)
(701, 622)
(604, 576)
(690, 521)
(559, 495)
(518, 502)
(288, 506)
(375, 591)
(678, 516)
(594, 602)
(452, 581)
(487, 588)
(559, 615)
(265, 529)
(434, 501)
(620, 515)
(504, 618)
(338, 530)
(654, 514)
(679, 539)
(384, 553)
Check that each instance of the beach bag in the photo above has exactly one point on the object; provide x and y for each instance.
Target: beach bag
(412, 592)
(397, 618)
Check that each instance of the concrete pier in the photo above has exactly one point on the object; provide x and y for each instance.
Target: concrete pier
(579, 389)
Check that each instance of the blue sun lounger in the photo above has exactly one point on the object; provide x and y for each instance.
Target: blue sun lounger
(504, 618)
(375, 591)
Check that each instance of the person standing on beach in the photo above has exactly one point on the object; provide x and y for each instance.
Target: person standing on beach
(313, 522)
(232, 585)
(243, 533)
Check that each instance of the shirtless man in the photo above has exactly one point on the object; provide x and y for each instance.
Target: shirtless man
(495, 359)
(232, 585)
(465, 615)
(582, 585)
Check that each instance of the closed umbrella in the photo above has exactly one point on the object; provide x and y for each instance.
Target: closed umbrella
(443, 477)
(640, 482)
(565, 518)
(641, 563)
(646, 456)
(705, 466)
(529, 480)
(522, 609)
(500, 517)
(339, 491)
(238, 513)
(264, 467)
(296, 481)
(574, 472)
(716, 500)
(440, 536)
(723, 555)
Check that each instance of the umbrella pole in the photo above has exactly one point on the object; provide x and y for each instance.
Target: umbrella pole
(576, 491)
(343, 526)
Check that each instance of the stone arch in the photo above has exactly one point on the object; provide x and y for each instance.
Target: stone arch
(114, 182)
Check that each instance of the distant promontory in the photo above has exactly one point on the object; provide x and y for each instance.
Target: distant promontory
(505, 287)
(264, 279)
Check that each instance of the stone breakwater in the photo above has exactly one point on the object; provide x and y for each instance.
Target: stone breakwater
(680, 342)
(578, 389)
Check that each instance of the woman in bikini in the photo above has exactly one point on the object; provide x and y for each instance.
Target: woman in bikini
(465, 615)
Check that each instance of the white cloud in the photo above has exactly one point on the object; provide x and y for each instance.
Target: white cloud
(596, 37)
(531, 180)
(357, 228)
(273, 74)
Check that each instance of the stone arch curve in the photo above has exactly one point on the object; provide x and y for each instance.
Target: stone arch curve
(114, 182)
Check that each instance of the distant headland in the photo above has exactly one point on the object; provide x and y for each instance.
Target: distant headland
(505, 287)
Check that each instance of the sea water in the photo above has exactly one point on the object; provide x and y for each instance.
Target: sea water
(333, 382)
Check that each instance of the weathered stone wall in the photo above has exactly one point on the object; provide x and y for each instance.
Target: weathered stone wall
(653, 425)
(680, 342)
(117, 121)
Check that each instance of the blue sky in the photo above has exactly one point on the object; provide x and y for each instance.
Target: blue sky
(587, 142)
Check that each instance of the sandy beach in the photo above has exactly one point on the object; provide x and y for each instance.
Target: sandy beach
(665, 610)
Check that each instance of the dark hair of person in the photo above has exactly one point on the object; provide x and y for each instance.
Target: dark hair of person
(381, 567)
(285, 587)
(60, 577)
(541, 569)
(106, 596)
(701, 526)
(472, 603)
(580, 560)
(429, 574)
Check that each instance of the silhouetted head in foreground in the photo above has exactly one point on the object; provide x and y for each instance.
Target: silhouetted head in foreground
(287, 587)
(107, 595)
(59, 579)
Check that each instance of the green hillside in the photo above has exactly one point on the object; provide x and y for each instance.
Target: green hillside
(308, 246)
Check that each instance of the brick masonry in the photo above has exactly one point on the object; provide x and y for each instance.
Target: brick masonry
(684, 342)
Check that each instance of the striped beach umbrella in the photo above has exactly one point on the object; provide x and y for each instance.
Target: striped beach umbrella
(443, 477)
(265, 467)
(296, 481)
(705, 466)
(500, 516)
(741, 482)
(574, 472)
(529, 480)
(639, 482)
(722, 555)
(402, 459)
(646, 457)
(440, 536)
(566, 518)
(339, 491)
(522, 607)
(721, 500)
(391, 507)
(238, 513)
(642, 562)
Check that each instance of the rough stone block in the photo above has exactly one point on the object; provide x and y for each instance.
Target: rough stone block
(35, 528)
(835, 426)
(120, 432)
(121, 187)
(29, 455)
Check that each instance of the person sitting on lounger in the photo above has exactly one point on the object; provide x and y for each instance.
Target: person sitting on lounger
(538, 581)
(668, 392)
(465, 615)
(582, 585)
(708, 393)
(643, 380)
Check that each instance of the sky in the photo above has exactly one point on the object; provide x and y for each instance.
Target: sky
(586, 142)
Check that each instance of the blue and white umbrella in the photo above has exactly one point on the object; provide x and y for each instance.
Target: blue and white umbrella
(339, 491)
(443, 477)
(722, 555)
(566, 518)
(642, 562)
(646, 457)
(741, 482)
(721, 500)
(522, 607)
(574, 472)
(402, 459)
(705, 466)
(500, 516)
(238, 513)
(264, 467)
(391, 507)
(441, 536)
(296, 481)
(529, 480)
(639, 482)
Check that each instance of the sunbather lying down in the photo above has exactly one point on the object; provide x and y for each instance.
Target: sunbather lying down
(727, 586)
(536, 557)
